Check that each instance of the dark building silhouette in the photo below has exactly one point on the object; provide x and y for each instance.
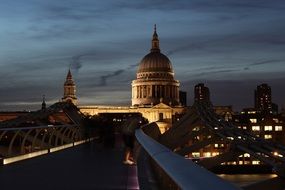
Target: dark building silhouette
(44, 105)
(274, 108)
(262, 98)
(183, 98)
(201, 93)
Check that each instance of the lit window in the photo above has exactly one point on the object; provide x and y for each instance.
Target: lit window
(255, 162)
(267, 136)
(247, 162)
(244, 127)
(246, 155)
(255, 128)
(207, 154)
(278, 128)
(216, 145)
(215, 153)
(253, 120)
(268, 128)
(196, 129)
(196, 154)
(240, 162)
(276, 120)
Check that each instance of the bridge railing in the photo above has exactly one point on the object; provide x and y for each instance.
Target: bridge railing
(25, 142)
(183, 173)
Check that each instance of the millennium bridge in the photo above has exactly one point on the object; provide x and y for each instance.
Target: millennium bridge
(66, 155)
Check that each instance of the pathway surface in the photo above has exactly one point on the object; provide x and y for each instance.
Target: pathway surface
(83, 167)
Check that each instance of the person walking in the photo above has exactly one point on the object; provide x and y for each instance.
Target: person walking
(128, 132)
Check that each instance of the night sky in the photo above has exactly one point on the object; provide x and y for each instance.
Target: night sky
(230, 45)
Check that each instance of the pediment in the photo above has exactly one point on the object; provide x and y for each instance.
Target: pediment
(161, 106)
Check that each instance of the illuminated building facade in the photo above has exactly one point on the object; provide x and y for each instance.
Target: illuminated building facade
(267, 125)
(69, 89)
(155, 92)
(155, 81)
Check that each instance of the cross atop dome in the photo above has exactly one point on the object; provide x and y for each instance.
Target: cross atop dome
(155, 41)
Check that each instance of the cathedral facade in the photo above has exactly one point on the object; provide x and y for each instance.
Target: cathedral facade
(155, 92)
(155, 81)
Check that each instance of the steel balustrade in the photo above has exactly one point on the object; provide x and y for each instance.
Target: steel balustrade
(185, 173)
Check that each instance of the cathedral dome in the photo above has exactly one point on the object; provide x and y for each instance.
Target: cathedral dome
(155, 81)
(155, 62)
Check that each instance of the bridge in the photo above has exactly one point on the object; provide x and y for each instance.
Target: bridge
(84, 162)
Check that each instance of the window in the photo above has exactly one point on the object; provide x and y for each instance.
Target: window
(247, 162)
(207, 154)
(244, 127)
(267, 136)
(268, 128)
(255, 162)
(196, 129)
(278, 128)
(160, 116)
(216, 145)
(255, 128)
(246, 155)
(215, 153)
(196, 154)
(252, 120)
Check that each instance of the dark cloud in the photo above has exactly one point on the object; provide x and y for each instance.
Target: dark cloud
(104, 78)
(205, 40)
(266, 62)
(76, 61)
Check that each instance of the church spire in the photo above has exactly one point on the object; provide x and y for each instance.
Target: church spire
(69, 76)
(44, 103)
(155, 41)
(69, 89)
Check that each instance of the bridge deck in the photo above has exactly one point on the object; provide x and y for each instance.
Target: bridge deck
(83, 167)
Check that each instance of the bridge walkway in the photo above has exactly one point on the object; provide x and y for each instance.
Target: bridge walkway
(88, 166)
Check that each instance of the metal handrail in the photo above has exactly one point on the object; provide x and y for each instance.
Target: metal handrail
(185, 173)
(35, 127)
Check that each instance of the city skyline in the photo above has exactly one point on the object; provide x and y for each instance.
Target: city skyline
(230, 46)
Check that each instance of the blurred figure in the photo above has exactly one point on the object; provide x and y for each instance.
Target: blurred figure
(128, 132)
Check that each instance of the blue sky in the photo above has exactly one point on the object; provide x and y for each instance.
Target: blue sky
(231, 46)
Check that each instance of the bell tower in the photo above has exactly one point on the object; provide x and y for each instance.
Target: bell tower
(69, 90)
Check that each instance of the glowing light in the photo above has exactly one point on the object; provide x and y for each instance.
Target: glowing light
(278, 128)
(24, 157)
(275, 153)
(61, 147)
